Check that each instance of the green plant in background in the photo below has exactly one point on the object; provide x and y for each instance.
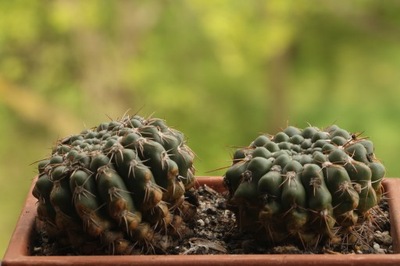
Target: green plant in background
(307, 185)
(63, 61)
(121, 185)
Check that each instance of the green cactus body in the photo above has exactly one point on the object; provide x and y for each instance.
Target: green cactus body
(304, 184)
(293, 193)
(344, 197)
(42, 192)
(87, 205)
(121, 184)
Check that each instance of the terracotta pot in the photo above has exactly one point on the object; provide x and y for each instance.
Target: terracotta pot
(18, 252)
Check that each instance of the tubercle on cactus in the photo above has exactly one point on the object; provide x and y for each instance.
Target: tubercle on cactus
(304, 184)
(118, 187)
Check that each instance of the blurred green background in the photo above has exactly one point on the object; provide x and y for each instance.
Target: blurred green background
(220, 71)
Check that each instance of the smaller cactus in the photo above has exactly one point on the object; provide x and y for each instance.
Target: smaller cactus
(121, 185)
(304, 185)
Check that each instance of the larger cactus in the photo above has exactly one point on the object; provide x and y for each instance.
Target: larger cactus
(118, 187)
(304, 185)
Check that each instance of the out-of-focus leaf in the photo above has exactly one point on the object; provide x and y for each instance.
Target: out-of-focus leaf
(33, 108)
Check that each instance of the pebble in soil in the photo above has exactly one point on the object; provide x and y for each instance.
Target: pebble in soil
(214, 231)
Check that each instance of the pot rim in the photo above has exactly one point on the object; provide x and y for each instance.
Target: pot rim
(17, 252)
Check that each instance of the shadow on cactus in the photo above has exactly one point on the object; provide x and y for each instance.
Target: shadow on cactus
(306, 186)
(119, 187)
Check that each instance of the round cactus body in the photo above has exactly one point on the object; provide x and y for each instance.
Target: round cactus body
(304, 185)
(121, 185)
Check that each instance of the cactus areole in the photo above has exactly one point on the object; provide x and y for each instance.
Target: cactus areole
(121, 187)
(305, 185)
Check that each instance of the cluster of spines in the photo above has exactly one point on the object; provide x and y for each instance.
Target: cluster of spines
(304, 184)
(121, 184)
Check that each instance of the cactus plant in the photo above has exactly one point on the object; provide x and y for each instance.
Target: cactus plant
(305, 185)
(119, 187)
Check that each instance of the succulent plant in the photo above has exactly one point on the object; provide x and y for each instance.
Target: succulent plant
(304, 185)
(121, 187)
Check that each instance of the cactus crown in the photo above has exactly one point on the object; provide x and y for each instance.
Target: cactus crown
(304, 185)
(120, 186)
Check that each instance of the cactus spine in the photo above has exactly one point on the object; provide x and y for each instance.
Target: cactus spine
(304, 185)
(121, 185)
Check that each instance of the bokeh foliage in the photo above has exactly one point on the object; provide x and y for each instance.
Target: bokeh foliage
(220, 71)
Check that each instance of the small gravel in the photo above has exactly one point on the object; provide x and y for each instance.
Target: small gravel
(214, 231)
(218, 234)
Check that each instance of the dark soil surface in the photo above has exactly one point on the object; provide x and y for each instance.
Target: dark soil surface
(215, 232)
